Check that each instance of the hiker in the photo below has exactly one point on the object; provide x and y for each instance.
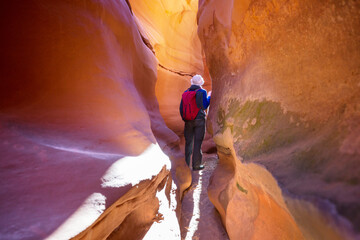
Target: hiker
(194, 102)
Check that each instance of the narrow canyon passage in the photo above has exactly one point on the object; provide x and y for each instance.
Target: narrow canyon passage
(90, 131)
(199, 218)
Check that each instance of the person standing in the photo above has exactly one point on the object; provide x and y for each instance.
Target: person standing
(194, 102)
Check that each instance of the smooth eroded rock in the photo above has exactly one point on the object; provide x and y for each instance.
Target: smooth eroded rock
(81, 130)
(285, 89)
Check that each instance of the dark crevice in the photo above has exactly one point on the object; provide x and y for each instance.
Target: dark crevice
(144, 39)
(129, 5)
(147, 43)
(181, 73)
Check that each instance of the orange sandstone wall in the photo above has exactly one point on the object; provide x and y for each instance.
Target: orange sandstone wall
(285, 78)
(170, 28)
(80, 124)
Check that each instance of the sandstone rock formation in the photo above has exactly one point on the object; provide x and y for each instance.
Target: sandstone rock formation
(285, 106)
(82, 138)
(86, 154)
(170, 27)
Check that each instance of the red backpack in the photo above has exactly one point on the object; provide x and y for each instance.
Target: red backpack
(190, 109)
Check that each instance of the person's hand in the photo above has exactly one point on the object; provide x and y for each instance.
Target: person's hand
(209, 94)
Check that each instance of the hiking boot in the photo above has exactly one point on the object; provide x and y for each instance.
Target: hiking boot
(198, 167)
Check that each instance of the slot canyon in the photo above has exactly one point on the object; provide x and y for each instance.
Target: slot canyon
(91, 138)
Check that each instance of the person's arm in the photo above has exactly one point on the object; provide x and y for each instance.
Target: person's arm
(181, 109)
(202, 100)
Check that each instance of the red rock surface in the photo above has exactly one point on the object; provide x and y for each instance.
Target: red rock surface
(284, 112)
(80, 123)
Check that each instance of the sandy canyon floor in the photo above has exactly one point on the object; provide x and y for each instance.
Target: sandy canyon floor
(199, 218)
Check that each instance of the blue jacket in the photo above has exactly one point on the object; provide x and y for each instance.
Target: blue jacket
(202, 101)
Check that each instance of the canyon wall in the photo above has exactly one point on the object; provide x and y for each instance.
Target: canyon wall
(285, 116)
(82, 139)
(170, 28)
(85, 152)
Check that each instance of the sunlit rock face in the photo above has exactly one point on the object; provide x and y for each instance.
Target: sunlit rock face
(285, 107)
(81, 132)
(170, 28)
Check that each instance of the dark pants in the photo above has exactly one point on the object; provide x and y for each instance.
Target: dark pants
(194, 135)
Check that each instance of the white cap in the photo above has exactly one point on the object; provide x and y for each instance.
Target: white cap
(197, 80)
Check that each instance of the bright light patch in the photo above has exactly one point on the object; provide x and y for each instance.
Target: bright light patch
(194, 222)
(127, 170)
(98, 155)
(83, 217)
(168, 228)
(132, 170)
